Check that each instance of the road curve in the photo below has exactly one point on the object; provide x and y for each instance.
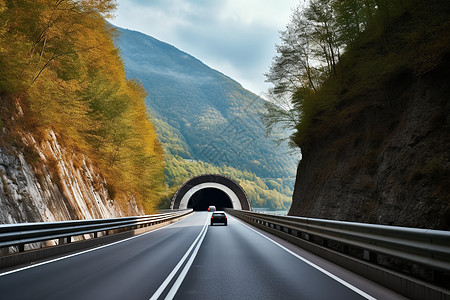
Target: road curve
(186, 260)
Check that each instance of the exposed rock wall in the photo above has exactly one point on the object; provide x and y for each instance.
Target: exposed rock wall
(57, 185)
(390, 164)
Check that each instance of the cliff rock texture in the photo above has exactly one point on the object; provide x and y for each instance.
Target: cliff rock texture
(395, 169)
(381, 153)
(51, 183)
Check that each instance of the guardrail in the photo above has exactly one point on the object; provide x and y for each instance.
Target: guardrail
(422, 254)
(27, 233)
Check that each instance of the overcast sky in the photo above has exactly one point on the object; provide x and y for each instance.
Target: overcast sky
(235, 37)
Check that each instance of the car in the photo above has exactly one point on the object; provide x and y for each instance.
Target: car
(212, 208)
(218, 217)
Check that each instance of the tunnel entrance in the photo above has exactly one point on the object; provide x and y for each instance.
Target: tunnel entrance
(210, 189)
(203, 198)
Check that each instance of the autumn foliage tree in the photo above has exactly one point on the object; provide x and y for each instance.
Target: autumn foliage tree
(59, 63)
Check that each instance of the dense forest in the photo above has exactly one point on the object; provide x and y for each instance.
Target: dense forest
(61, 71)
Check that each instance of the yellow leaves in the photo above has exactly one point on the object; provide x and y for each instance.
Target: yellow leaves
(61, 57)
(129, 149)
(2, 6)
(55, 104)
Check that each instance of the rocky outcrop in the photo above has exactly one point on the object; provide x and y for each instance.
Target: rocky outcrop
(390, 163)
(51, 183)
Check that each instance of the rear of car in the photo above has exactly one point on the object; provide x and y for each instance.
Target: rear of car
(218, 218)
(212, 208)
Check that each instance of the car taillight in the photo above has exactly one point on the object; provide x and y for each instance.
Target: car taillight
(211, 217)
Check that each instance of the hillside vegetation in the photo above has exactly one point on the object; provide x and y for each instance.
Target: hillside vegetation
(62, 72)
(400, 37)
(268, 193)
(372, 119)
(311, 73)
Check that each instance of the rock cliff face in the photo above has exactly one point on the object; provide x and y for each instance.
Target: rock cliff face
(390, 163)
(53, 184)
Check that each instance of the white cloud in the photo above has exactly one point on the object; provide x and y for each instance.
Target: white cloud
(233, 36)
(268, 13)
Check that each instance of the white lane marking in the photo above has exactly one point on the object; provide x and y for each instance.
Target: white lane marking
(85, 251)
(169, 278)
(186, 268)
(341, 281)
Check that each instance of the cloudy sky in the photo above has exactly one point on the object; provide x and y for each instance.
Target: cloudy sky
(236, 37)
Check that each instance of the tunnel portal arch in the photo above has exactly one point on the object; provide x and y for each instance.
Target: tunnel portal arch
(210, 185)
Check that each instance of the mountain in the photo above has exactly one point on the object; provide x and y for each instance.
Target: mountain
(202, 115)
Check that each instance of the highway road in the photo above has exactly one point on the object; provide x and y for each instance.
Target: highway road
(185, 260)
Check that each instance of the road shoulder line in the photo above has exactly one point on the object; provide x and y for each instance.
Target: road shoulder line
(341, 281)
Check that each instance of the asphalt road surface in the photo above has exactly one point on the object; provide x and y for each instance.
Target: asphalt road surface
(185, 260)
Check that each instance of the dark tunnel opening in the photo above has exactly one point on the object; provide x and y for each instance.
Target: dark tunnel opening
(202, 199)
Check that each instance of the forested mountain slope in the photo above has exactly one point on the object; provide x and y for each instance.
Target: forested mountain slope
(207, 122)
(75, 140)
